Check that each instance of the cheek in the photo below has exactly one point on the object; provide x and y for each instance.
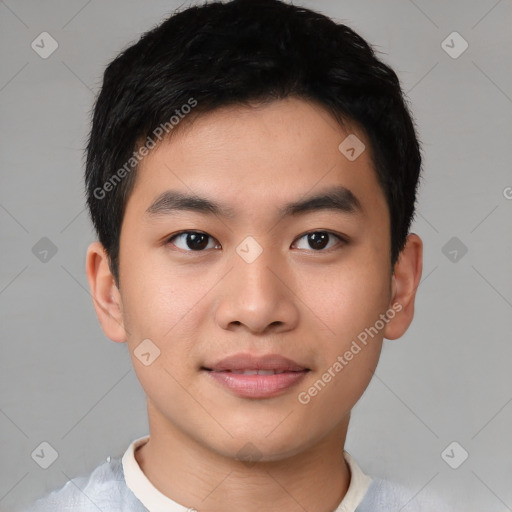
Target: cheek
(335, 392)
(170, 306)
(156, 294)
(350, 353)
(350, 297)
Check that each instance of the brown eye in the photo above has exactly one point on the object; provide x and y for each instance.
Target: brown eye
(192, 241)
(319, 240)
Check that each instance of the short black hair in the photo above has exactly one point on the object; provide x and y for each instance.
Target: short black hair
(237, 53)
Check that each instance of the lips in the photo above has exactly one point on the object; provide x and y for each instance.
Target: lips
(240, 363)
(249, 376)
(256, 372)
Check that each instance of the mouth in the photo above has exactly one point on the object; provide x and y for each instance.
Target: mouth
(253, 372)
(248, 376)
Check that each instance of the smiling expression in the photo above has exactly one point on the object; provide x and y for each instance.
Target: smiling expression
(250, 233)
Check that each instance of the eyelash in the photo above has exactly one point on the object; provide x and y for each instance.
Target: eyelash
(340, 238)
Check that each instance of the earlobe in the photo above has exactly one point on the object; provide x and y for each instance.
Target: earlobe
(405, 282)
(105, 294)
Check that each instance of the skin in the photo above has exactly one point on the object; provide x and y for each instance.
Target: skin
(303, 304)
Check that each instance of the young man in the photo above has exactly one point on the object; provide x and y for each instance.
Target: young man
(251, 173)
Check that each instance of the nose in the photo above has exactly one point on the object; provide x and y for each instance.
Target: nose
(258, 297)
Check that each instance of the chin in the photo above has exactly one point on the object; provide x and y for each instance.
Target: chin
(256, 446)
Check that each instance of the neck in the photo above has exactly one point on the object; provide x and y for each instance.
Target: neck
(195, 476)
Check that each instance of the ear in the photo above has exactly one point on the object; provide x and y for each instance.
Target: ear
(405, 282)
(105, 294)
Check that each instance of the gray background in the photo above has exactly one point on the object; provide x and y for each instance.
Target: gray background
(448, 379)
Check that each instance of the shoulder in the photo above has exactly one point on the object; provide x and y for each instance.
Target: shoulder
(104, 489)
(384, 495)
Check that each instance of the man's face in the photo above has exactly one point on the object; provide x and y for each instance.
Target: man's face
(202, 298)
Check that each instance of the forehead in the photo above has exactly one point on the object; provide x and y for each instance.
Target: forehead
(247, 158)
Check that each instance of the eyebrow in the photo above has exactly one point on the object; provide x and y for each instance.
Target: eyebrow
(338, 199)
